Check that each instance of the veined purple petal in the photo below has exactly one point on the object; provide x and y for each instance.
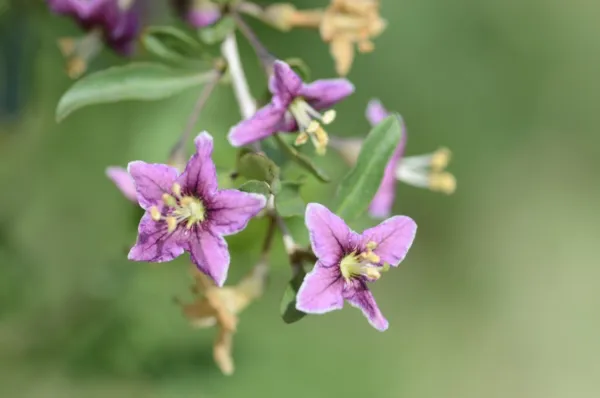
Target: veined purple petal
(358, 295)
(263, 123)
(393, 237)
(210, 254)
(231, 210)
(284, 84)
(330, 237)
(323, 94)
(376, 112)
(200, 175)
(321, 291)
(383, 201)
(123, 181)
(151, 181)
(155, 243)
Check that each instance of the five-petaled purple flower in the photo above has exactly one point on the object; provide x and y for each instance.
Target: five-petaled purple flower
(348, 260)
(197, 13)
(117, 20)
(123, 181)
(424, 171)
(295, 106)
(186, 212)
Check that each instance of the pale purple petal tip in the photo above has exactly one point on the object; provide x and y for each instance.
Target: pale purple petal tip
(231, 210)
(376, 112)
(155, 243)
(393, 237)
(210, 254)
(321, 291)
(359, 296)
(123, 181)
(284, 84)
(151, 181)
(323, 94)
(329, 234)
(200, 174)
(262, 124)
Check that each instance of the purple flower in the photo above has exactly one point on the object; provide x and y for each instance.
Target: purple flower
(295, 106)
(424, 171)
(348, 260)
(186, 212)
(117, 20)
(197, 13)
(123, 181)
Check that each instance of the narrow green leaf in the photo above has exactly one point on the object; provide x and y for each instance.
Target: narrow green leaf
(287, 308)
(360, 184)
(259, 187)
(288, 201)
(136, 81)
(216, 33)
(255, 166)
(171, 44)
(301, 159)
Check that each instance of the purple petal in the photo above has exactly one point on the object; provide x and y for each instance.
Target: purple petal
(284, 84)
(200, 175)
(358, 295)
(330, 237)
(231, 210)
(376, 112)
(263, 123)
(151, 181)
(383, 201)
(210, 254)
(123, 181)
(323, 94)
(155, 243)
(200, 18)
(321, 291)
(393, 237)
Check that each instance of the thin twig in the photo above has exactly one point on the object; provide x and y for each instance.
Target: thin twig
(177, 153)
(265, 57)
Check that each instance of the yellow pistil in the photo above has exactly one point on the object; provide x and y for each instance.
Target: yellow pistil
(179, 208)
(310, 124)
(363, 264)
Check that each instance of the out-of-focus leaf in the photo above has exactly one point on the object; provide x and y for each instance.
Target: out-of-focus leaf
(288, 201)
(136, 81)
(289, 312)
(301, 159)
(171, 44)
(259, 187)
(360, 184)
(216, 33)
(256, 166)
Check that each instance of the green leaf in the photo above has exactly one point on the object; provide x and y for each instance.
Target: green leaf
(171, 44)
(136, 81)
(301, 159)
(360, 184)
(256, 166)
(287, 308)
(288, 201)
(259, 187)
(216, 33)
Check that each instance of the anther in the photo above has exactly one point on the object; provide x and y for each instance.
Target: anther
(155, 213)
(372, 273)
(177, 189)
(169, 200)
(301, 138)
(371, 245)
(440, 159)
(313, 127)
(171, 223)
(328, 116)
(442, 182)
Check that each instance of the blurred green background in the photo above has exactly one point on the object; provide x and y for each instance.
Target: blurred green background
(498, 297)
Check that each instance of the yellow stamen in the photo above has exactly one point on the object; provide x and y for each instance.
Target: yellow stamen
(171, 223)
(186, 201)
(177, 190)
(155, 213)
(440, 159)
(301, 139)
(371, 245)
(329, 116)
(442, 182)
(372, 273)
(169, 200)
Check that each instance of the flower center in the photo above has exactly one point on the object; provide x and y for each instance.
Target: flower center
(179, 208)
(428, 171)
(363, 264)
(310, 124)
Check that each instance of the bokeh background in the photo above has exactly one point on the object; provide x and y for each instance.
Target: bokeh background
(498, 297)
